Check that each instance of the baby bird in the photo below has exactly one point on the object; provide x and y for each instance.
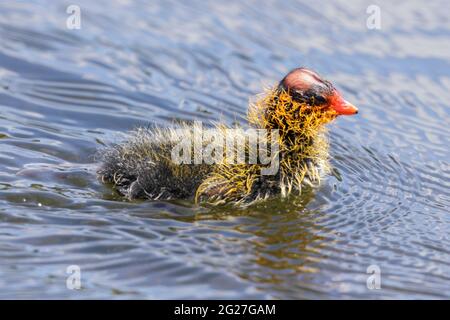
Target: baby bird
(292, 115)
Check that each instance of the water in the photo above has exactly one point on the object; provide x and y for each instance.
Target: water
(65, 93)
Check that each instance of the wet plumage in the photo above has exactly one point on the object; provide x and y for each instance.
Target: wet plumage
(142, 167)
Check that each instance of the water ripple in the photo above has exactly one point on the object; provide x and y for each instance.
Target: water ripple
(65, 93)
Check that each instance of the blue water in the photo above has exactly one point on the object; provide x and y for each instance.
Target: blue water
(66, 93)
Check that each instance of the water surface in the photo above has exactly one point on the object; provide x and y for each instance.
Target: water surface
(66, 93)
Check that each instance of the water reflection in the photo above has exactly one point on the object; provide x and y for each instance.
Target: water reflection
(281, 238)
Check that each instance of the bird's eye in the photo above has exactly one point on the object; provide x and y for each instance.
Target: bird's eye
(319, 100)
(310, 97)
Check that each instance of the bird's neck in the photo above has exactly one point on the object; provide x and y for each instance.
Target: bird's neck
(303, 144)
(298, 124)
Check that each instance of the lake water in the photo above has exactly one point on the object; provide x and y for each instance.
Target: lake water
(66, 93)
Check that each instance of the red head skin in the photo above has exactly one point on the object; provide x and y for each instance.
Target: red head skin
(301, 82)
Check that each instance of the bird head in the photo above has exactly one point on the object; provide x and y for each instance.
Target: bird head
(300, 105)
(307, 87)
